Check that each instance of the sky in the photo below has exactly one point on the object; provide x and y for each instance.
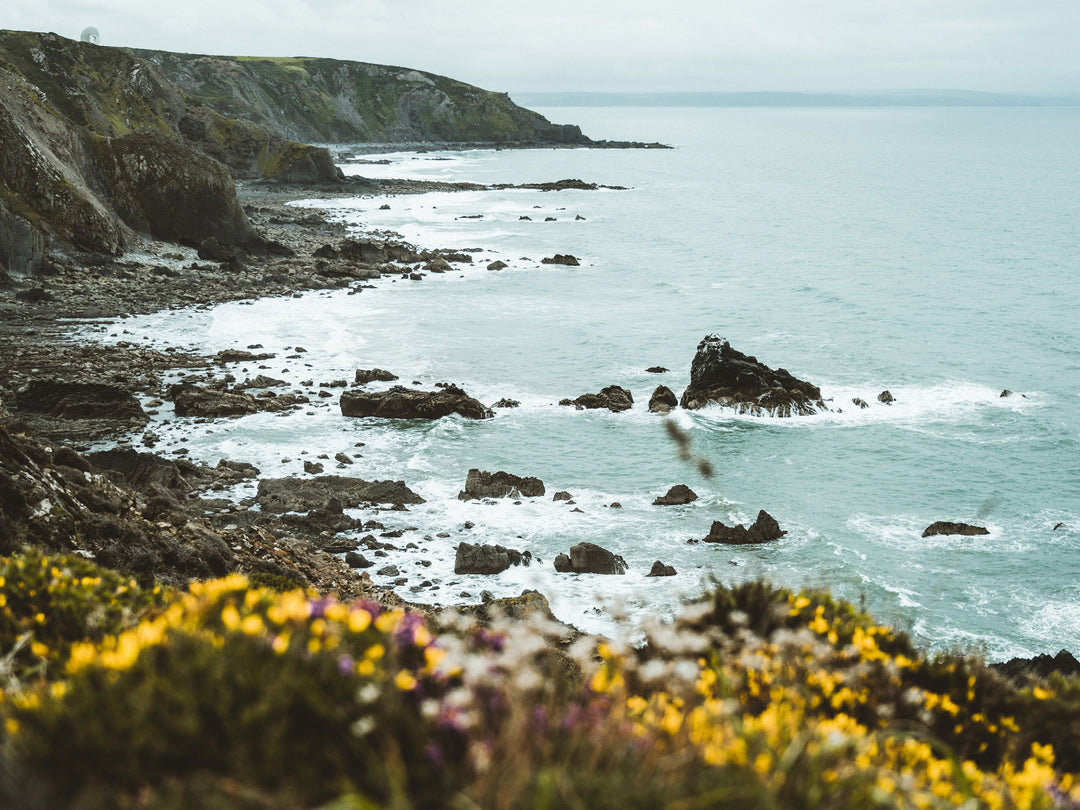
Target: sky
(1004, 46)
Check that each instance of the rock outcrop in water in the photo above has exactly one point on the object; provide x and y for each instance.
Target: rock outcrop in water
(721, 375)
(614, 398)
(475, 558)
(589, 558)
(945, 527)
(763, 530)
(405, 403)
(482, 484)
(305, 494)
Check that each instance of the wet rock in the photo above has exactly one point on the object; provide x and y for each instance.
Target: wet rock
(497, 265)
(763, 530)
(614, 398)
(239, 356)
(562, 495)
(662, 400)
(507, 403)
(589, 558)
(1023, 671)
(886, 398)
(195, 400)
(945, 527)
(305, 494)
(366, 375)
(80, 401)
(260, 381)
(721, 375)
(482, 484)
(313, 467)
(355, 560)
(388, 571)
(678, 495)
(1008, 393)
(404, 403)
(862, 403)
(484, 559)
(564, 259)
(661, 570)
(657, 370)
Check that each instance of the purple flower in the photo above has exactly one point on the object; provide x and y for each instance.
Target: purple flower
(433, 753)
(318, 607)
(345, 664)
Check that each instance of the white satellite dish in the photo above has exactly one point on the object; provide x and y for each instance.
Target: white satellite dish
(91, 35)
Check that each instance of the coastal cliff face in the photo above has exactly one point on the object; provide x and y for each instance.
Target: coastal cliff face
(334, 101)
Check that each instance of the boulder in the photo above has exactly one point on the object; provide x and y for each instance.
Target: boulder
(564, 259)
(945, 527)
(862, 403)
(722, 375)
(763, 530)
(1023, 671)
(662, 400)
(507, 403)
(614, 398)
(356, 560)
(481, 484)
(484, 559)
(405, 403)
(678, 495)
(589, 558)
(195, 400)
(886, 398)
(305, 494)
(366, 375)
(497, 265)
(657, 370)
(72, 400)
(661, 570)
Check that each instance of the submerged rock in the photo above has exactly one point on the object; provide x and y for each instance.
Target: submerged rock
(945, 527)
(481, 484)
(614, 398)
(589, 558)
(763, 530)
(405, 403)
(722, 375)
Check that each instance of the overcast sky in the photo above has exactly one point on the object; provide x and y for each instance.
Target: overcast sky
(620, 45)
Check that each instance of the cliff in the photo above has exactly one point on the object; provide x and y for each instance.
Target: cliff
(334, 101)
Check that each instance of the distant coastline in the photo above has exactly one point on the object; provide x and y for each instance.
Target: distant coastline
(882, 98)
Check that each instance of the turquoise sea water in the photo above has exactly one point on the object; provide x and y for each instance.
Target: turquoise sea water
(933, 252)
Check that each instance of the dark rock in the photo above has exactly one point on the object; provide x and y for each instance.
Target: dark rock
(481, 484)
(561, 258)
(562, 495)
(484, 559)
(507, 403)
(589, 558)
(304, 494)
(1008, 393)
(886, 397)
(657, 370)
(763, 530)
(721, 375)
(355, 560)
(388, 571)
(661, 570)
(313, 468)
(613, 398)
(260, 381)
(194, 400)
(497, 265)
(404, 403)
(1023, 671)
(678, 495)
(662, 400)
(35, 295)
(239, 356)
(862, 403)
(79, 401)
(366, 375)
(945, 527)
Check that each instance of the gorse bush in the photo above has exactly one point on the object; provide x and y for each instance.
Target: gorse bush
(231, 695)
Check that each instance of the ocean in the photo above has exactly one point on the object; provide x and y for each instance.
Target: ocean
(930, 252)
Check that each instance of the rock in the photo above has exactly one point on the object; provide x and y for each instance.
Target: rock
(404, 403)
(1023, 671)
(657, 370)
(507, 403)
(260, 381)
(661, 570)
(343, 458)
(313, 467)
(862, 403)
(678, 495)
(885, 397)
(304, 494)
(438, 265)
(589, 558)
(497, 265)
(80, 401)
(388, 571)
(194, 400)
(613, 398)
(366, 375)
(944, 527)
(561, 258)
(763, 530)
(239, 356)
(1008, 393)
(562, 495)
(484, 559)
(662, 400)
(722, 375)
(355, 560)
(481, 484)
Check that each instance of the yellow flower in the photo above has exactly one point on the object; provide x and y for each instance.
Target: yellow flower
(252, 625)
(359, 620)
(405, 681)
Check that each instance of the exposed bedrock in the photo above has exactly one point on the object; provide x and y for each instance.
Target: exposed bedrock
(724, 376)
(614, 398)
(589, 558)
(763, 530)
(305, 494)
(475, 558)
(945, 527)
(405, 403)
